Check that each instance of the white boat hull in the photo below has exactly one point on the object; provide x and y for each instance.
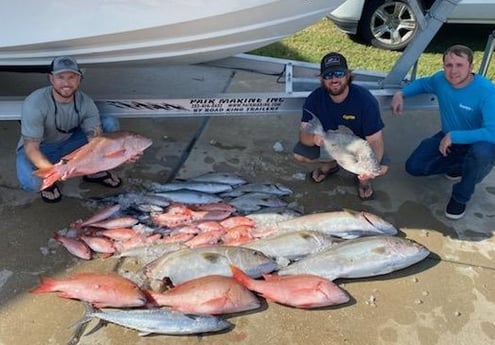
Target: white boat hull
(123, 31)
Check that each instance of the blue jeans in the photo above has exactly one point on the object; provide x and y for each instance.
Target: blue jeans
(54, 152)
(473, 162)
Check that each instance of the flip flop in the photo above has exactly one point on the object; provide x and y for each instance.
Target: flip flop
(104, 180)
(324, 174)
(365, 190)
(54, 190)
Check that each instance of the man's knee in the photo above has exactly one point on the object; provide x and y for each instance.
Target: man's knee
(301, 159)
(24, 170)
(414, 169)
(298, 158)
(29, 183)
(483, 153)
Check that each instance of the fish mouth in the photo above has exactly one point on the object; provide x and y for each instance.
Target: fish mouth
(367, 217)
(381, 225)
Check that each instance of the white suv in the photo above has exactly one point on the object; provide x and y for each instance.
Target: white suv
(391, 24)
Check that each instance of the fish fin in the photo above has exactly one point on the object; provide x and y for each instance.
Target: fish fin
(43, 172)
(99, 325)
(216, 303)
(342, 130)
(80, 324)
(240, 276)
(143, 334)
(272, 277)
(267, 276)
(114, 154)
(74, 153)
(282, 261)
(314, 125)
(350, 211)
(348, 158)
(151, 298)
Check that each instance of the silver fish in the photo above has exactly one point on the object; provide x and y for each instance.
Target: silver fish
(185, 196)
(286, 210)
(190, 263)
(293, 245)
(343, 224)
(159, 321)
(147, 253)
(360, 257)
(254, 201)
(351, 152)
(264, 220)
(126, 200)
(220, 177)
(268, 188)
(199, 186)
(148, 208)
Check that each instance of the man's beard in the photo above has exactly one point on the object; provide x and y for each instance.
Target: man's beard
(335, 92)
(63, 95)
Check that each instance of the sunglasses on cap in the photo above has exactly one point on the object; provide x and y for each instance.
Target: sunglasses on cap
(335, 74)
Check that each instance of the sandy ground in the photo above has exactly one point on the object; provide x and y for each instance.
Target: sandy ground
(446, 299)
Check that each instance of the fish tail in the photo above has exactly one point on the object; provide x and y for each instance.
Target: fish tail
(46, 285)
(88, 315)
(240, 276)
(49, 176)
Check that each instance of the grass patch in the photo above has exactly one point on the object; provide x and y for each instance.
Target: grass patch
(316, 40)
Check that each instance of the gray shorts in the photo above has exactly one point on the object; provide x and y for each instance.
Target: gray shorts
(315, 152)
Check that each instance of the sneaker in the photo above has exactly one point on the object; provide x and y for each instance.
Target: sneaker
(453, 176)
(455, 210)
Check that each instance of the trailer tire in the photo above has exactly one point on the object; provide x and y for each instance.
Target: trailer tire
(388, 24)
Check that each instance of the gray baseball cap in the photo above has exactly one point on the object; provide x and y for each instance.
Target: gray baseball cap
(64, 64)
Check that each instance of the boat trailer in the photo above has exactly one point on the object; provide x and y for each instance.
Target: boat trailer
(300, 78)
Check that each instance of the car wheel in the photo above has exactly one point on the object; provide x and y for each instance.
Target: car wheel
(387, 24)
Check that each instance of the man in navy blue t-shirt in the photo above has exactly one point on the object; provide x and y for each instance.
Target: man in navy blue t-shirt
(339, 102)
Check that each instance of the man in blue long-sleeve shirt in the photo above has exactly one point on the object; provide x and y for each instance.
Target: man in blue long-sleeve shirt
(464, 148)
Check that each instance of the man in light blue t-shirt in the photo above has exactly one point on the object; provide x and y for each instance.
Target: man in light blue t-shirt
(464, 148)
(55, 121)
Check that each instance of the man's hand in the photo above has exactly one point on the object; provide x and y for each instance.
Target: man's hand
(35, 156)
(445, 144)
(397, 103)
(366, 177)
(318, 139)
